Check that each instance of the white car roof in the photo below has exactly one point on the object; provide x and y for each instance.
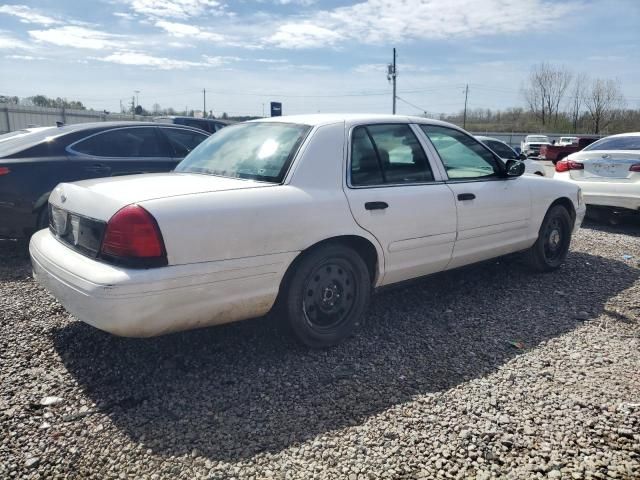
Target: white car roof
(352, 118)
(628, 134)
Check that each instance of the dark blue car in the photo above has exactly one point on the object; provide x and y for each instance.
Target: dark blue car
(34, 161)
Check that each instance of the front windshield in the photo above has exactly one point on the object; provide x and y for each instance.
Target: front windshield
(255, 150)
(631, 142)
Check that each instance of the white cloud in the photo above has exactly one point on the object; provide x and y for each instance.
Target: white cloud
(142, 59)
(304, 3)
(23, 57)
(304, 35)
(28, 15)
(220, 60)
(181, 30)
(176, 8)
(271, 60)
(11, 43)
(78, 37)
(125, 15)
(384, 21)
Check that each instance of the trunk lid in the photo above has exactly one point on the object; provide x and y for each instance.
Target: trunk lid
(604, 165)
(100, 198)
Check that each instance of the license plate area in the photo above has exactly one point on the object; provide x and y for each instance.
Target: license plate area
(81, 233)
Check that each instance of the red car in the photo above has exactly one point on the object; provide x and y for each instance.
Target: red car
(558, 152)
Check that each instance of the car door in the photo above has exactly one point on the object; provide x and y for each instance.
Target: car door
(182, 140)
(123, 151)
(395, 193)
(494, 211)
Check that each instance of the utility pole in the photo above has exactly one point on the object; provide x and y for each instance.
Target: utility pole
(466, 95)
(133, 106)
(204, 103)
(391, 76)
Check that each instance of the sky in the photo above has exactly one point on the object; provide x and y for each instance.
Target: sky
(311, 55)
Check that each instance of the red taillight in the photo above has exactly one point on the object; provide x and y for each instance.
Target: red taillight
(566, 165)
(635, 167)
(4, 170)
(132, 234)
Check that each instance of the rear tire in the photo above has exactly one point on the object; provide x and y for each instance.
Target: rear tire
(552, 246)
(327, 295)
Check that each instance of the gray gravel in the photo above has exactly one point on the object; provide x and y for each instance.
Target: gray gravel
(487, 372)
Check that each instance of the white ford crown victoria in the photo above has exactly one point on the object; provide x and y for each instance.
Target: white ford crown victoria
(308, 212)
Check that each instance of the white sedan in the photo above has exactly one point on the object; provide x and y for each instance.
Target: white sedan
(506, 153)
(310, 212)
(608, 171)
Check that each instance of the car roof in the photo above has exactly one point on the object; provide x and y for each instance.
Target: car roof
(318, 119)
(482, 138)
(628, 134)
(198, 119)
(35, 136)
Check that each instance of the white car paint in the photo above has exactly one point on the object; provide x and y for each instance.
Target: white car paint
(532, 167)
(606, 179)
(230, 241)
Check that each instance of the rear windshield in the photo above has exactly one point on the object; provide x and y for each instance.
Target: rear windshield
(616, 143)
(21, 140)
(257, 151)
(537, 139)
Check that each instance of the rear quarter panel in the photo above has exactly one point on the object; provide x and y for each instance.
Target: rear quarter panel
(25, 190)
(545, 191)
(308, 208)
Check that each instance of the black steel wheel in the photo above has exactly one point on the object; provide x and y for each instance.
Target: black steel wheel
(554, 238)
(327, 294)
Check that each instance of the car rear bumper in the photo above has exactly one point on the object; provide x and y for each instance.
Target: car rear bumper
(143, 303)
(607, 194)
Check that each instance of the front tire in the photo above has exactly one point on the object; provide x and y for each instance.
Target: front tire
(554, 238)
(327, 295)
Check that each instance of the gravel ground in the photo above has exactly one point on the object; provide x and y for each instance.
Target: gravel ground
(486, 372)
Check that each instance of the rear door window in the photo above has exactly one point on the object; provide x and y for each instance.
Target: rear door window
(183, 140)
(387, 154)
(134, 142)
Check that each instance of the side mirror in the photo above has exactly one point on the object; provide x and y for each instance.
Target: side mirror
(515, 168)
(522, 156)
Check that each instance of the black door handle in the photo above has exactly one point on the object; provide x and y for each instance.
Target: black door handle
(466, 196)
(376, 205)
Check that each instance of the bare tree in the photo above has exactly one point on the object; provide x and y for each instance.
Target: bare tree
(157, 109)
(603, 102)
(576, 99)
(545, 89)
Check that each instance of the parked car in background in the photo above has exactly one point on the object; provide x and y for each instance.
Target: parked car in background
(531, 144)
(566, 141)
(558, 152)
(311, 212)
(506, 153)
(32, 164)
(608, 172)
(210, 125)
